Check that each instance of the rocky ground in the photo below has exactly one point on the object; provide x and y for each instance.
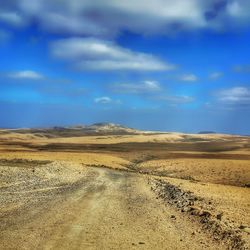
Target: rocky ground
(204, 212)
(124, 196)
(95, 208)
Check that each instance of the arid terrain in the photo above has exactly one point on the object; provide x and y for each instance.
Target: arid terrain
(109, 187)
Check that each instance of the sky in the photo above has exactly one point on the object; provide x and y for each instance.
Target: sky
(148, 64)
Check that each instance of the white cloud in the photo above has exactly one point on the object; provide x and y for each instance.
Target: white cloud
(234, 9)
(26, 74)
(235, 95)
(11, 18)
(152, 85)
(215, 75)
(189, 78)
(129, 88)
(52, 22)
(107, 17)
(239, 9)
(110, 17)
(103, 100)
(107, 100)
(97, 54)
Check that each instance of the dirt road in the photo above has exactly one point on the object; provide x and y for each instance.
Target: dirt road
(106, 209)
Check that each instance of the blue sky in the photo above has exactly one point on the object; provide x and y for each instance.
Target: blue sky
(157, 65)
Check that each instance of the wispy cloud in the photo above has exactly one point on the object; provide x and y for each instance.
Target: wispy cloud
(137, 88)
(25, 74)
(189, 78)
(12, 18)
(96, 54)
(106, 100)
(103, 100)
(215, 75)
(234, 96)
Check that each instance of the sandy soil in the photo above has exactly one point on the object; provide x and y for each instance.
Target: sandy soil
(220, 171)
(106, 209)
(77, 193)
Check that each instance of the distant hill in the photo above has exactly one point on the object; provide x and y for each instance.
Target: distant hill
(207, 132)
(80, 130)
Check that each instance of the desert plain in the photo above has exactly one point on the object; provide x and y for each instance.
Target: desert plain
(109, 187)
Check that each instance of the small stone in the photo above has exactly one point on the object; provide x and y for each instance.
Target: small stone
(185, 209)
(205, 213)
(219, 216)
(242, 227)
(195, 210)
(141, 242)
(173, 217)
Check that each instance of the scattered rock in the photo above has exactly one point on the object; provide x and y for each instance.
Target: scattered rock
(205, 213)
(187, 202)
(195, 210)
(219, 216)
(185, 209)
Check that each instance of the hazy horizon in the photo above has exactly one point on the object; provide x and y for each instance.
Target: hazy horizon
(127, 126)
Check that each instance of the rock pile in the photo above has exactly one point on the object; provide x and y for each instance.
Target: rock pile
(187, 202)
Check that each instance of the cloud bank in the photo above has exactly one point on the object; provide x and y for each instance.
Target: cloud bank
(109, 17)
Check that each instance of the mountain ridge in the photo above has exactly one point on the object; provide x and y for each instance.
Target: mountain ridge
(102, 128)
